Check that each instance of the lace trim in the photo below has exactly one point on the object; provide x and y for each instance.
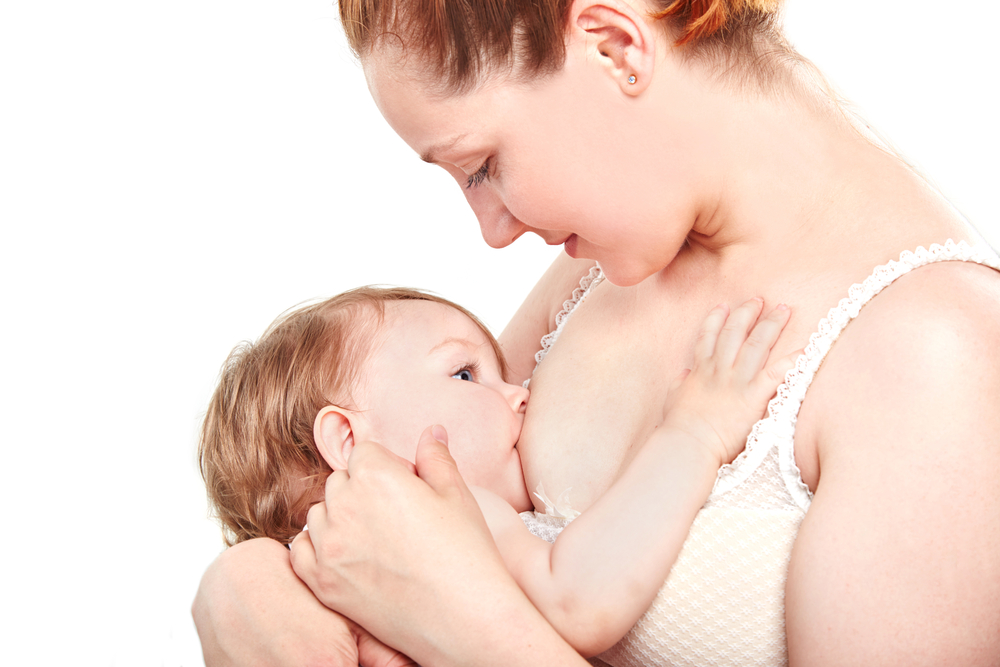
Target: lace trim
(561, 508)
(778, 427)
(587, 283)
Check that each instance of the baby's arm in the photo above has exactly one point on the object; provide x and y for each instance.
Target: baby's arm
(606, 567)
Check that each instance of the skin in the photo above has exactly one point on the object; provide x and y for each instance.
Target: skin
(593, 584)
(703, 194)
(434, 365)
(602, 573)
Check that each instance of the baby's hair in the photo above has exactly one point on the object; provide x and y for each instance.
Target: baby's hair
(257, 453)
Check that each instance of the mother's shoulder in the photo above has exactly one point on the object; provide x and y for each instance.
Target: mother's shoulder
(920, 358)
(933, 332)
(944, 294)
(947, 310)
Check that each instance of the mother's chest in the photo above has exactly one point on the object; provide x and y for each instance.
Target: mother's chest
(601, 389)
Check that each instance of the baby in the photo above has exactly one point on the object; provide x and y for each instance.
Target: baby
(381, 365)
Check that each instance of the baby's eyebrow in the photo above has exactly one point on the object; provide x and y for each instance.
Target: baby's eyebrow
(453, 341)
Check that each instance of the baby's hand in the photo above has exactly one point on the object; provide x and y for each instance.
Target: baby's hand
(719, 400)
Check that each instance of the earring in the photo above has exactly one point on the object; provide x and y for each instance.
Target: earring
(631, 78)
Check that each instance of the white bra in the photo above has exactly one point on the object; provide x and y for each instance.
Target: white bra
(723, 602)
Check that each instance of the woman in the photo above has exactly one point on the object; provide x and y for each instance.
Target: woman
(693, 155)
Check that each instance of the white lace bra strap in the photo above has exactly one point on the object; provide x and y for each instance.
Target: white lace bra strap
(782, 412)
(587, 283)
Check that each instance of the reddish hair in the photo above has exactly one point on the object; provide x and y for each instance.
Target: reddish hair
(703, 20)
(257, 454)
(464, 39)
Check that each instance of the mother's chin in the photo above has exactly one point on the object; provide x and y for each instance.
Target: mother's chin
(621, 267)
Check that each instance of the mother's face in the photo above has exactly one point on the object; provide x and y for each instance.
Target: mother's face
(564, 156)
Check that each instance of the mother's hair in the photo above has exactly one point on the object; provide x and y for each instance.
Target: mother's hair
(462, 41)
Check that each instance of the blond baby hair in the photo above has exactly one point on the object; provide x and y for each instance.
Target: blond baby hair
(257, 454)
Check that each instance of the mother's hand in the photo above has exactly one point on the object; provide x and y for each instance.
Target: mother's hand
(409, 556)
(251, 610)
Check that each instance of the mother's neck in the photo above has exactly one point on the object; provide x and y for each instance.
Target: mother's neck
(792, 174)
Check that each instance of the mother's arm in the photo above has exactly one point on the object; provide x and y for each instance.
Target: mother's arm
(251, 610)
(897, 561)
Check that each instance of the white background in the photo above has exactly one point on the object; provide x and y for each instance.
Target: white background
(175, 174)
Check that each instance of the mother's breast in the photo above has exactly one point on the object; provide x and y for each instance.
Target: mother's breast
(600, 391)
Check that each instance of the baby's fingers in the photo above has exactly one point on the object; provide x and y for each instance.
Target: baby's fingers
(770, 378)
(734, 334)
(704, 347)
(755, 350)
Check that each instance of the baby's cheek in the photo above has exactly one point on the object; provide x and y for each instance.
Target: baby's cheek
(402, 442)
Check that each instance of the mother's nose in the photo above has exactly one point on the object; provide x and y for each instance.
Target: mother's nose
(498, 226)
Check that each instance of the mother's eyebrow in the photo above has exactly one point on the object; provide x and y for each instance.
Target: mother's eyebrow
(430, 155)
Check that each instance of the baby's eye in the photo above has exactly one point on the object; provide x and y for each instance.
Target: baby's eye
(464, 374)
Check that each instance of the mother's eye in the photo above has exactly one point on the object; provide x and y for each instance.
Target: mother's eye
(482, 174)
(464, 374)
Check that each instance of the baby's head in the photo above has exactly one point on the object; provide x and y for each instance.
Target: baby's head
(375, 364)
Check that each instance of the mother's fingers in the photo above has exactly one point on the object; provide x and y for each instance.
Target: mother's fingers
(405, 556)
(303, 557)
(374, 653)
(306, 558)
(302, 547)
(317, 518)
(435, 464)
(336, 480)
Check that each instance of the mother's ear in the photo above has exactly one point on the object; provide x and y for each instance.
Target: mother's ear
(621, 38)
(333, 432)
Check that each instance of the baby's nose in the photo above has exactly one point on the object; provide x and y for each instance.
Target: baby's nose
(517, 396)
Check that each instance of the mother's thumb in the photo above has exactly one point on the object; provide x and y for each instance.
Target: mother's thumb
(434, 462)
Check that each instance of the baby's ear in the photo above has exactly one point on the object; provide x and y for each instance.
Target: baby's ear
(334, 435)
